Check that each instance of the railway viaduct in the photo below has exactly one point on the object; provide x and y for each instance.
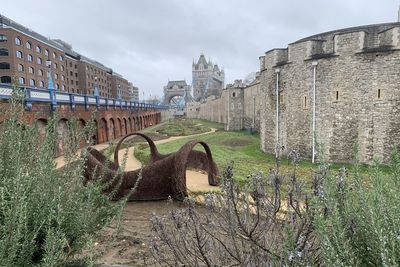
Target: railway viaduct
(112, 118)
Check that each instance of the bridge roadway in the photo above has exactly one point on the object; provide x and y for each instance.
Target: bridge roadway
(113, 118)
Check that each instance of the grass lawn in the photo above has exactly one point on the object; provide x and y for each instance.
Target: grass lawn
(242, 148)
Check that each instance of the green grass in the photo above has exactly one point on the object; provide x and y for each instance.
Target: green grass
(241, 148)
(179, 127)
(244, 150)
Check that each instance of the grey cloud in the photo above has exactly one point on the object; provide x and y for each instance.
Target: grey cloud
(152, 41)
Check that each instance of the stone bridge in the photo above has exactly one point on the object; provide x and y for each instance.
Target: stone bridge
(112, 118)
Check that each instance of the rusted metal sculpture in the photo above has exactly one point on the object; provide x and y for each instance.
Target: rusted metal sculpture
(163, 177)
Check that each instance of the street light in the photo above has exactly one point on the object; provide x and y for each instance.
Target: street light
(50, 85)
(119, 92)
(96, 89)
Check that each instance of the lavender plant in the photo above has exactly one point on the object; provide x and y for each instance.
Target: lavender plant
(47, 216)
(251, 225)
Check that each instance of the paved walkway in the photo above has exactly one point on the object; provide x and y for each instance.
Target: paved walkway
(196, 181)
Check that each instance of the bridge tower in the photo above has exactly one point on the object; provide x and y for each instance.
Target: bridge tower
(207, 79)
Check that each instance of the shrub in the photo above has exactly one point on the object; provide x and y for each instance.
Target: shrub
(344, 220)
(242, 226)
(357, 217)
(47, 216)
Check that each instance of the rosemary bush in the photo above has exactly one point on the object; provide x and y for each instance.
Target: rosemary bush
(47, 216)
(345, 219)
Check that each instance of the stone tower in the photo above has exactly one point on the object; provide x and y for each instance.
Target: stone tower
(207, 79)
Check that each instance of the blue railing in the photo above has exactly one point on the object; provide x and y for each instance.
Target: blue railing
(55, 98)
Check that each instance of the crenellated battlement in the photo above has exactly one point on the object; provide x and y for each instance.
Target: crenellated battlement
(363, 39)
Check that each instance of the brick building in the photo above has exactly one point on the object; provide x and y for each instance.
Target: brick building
(25, 58)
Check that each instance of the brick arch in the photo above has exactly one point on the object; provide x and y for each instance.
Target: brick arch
(81, 126)
(41, 125)
(62, 131)
(119, 127)
(124, 127)
(112, 132)
(130, 125)
(102, 131)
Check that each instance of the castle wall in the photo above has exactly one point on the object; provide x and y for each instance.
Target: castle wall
(357, 98)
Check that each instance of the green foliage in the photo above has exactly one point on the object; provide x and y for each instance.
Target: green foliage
(47, 216)
(357, 216)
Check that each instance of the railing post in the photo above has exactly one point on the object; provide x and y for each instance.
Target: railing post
(86, 102)
(97, 102)
(72, 101)
(28, 100)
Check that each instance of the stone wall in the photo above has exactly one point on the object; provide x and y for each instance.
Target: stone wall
(357, 95)
(238, 107)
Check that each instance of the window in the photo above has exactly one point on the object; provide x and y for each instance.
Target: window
(19, 54)
(305, 103)
(62, 68)
(379, 94)
(87, 68)
(28, 45)
(4, 66)
(281, 98)
(39, 61)
(62, 78)
(38, 49)
(46, 53)
(5, 79)
(40, 72)
(54, 55)
(76, 74)
(61, 58)
(72, 81)
(77, 83)
(32, 82)
(3, 38)
(336, 95)
(41, 83)
(56, 76)
(63, 87)
(17, 41)
(70, 73)
(70, 64)
(76, 66)
(57, 86)
(3, 52)
(20, 67)
(29, 57)
(21, 80)
(31, 70)
(233, 94)
(55, 65)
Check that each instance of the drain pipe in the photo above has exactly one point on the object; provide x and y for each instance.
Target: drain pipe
(314, 64)
(277, 111)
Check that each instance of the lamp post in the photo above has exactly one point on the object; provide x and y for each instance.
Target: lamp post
(96, 92)
(119, 92)
(96, 88)
(50, 86)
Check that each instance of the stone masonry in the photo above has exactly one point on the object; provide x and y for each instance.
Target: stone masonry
(355, 73)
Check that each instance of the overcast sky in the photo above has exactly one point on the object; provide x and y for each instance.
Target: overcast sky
(151, 41)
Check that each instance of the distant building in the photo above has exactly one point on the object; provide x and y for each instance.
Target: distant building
(134, 92)
(23, 56)
(207, 79)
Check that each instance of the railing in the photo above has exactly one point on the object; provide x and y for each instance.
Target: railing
(54, 98)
